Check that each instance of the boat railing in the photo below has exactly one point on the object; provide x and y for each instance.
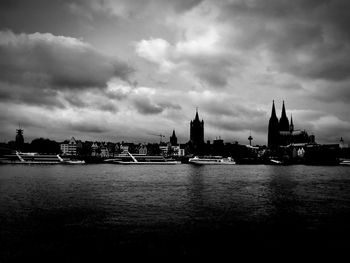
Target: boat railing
(133, 158)
(59, 158)
(19, 157)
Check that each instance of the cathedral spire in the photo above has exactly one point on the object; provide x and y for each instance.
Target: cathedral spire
(284, 122)
(273, 132)
(284, 115)
(291, 126)
(273, 112)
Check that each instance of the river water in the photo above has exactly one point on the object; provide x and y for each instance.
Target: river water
(71, 213)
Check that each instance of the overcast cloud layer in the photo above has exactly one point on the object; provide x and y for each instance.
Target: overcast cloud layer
(123, 70)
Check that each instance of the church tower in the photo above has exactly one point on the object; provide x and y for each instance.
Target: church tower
(284, 122)
(273, 132)
(197, 131)
(173, 139)
(291, 126)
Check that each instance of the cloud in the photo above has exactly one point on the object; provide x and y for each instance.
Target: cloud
(156, 51)
(309, 39)
(44, 64)
(89, 128)
(145, 106)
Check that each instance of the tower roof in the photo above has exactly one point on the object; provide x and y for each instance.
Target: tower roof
(284, 115)
(284, 122)
(273, 111)
(196, 117)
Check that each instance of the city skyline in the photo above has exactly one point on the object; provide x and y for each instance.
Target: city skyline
(122, 70)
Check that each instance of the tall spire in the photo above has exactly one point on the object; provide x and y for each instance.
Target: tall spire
(291, 126)
(284, 115)
(273, 112)
(173, 139)
(273, 132)
(284, 122)
(196, 117)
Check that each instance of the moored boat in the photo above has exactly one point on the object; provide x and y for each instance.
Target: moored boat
(36, 158)
(216, 160)
(345, 162)
(128, 158)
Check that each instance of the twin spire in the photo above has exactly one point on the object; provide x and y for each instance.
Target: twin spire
(283, 122)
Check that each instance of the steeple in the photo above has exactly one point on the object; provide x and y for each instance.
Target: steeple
(273, 132)
(173, 139)
(273, 112)
(284, 123)
(197, 131)
(284, 115)
(196, 118)
(291, 126)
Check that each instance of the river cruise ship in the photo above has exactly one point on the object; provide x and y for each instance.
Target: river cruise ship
(217, 160)
(141, 159)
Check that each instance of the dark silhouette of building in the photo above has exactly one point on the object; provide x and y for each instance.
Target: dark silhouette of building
(291, 126)
(281, 133)
(284, 122)
(197, 131)
(273, 132)
(19, 139)
(250, 138)
(173, 139)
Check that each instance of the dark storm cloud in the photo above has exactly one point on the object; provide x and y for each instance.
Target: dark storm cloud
(43, 64)
(110, 107)
(213, 70)
(62, 62)
(332, 92)
(145, 106)
(306, 38)
(18, 94)
(236, 125)
(185, 5)
(86, 127)
(8, 4)
(101, 103)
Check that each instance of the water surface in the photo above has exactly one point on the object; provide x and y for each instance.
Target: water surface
(93, 211)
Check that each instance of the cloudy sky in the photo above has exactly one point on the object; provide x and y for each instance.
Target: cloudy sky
(127, 69)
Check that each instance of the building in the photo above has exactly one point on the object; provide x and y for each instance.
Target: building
(69, 148)
(177, 151)
(142, 149)
(196, 132)
(173, 139)
(104, 152)
(19, 139)
(282, 133)
(95, 150)
(342, 144)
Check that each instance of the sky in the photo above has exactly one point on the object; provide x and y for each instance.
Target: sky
(128, 70)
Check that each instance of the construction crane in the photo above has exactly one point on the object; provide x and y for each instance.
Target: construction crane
(159, 135)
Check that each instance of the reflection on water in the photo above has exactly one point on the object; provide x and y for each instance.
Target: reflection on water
(181, 210)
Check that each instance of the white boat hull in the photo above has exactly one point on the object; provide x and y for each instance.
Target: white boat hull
(212, 163)
(148, 163)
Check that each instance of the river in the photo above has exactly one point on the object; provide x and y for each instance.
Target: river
(71, 213)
